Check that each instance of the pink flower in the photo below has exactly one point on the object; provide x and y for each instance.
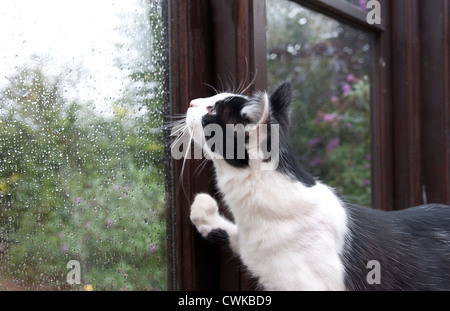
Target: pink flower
(329, 117)
(334, 99)
(116, 187)
(110, 222)
(153, 248)
(351, 78)
(333, 144)
(346, 88)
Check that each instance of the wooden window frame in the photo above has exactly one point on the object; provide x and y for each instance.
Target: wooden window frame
(213, 40)
(209, 41)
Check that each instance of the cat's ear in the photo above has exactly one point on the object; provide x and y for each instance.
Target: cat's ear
(280, 103)
(256, 110)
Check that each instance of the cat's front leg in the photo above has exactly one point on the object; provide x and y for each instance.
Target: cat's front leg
(211, 225)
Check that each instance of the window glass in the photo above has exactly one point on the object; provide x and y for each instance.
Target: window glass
(329, 64)
(82, 180)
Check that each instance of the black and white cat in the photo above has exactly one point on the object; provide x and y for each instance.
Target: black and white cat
(292, 231)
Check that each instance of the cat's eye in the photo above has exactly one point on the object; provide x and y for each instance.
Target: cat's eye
(212, 110)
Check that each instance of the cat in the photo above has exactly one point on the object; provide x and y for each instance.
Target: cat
(290, 230)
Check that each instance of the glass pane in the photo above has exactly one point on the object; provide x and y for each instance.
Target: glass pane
(329, 65)
(82, 181)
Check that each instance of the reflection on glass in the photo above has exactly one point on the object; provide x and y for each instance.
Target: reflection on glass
(361, 4)
(329, 65)
(81, 147)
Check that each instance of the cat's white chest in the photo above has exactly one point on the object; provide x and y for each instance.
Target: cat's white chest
(291, 236)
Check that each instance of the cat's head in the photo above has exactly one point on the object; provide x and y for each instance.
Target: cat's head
(245, 131)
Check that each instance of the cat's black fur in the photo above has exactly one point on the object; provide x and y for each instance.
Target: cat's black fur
(228, 112)
(412, 247)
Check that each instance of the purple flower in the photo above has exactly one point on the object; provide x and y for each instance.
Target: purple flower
(346, 88)
(350, 77)
(110, 222)
(334, 99)
(329, 117)
(368, 157)
(366, 182)
(363, 4)
(91, 203)
(314, 141)
(116, 187)
(63, 249)
(315, 161)
(77, 200)
(153, 248)
(333, 144)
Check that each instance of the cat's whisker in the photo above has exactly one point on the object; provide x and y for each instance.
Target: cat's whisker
(183, 137)
(221, 83)
(173, 123)
(175, 130)
(201, 166)
(242, 91)
(179, 119)
(184, 163)
(175, 126)
(212, 87)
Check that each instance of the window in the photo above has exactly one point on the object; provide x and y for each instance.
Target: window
(330, 66)
(82, 169)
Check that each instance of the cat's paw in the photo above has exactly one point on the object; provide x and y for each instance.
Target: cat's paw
(205, 214)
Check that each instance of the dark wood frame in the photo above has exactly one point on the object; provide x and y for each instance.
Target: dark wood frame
(213, 40)
(421, 100)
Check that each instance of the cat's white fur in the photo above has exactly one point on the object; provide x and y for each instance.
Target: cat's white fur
(290, 236)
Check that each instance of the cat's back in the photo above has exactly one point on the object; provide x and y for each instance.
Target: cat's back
(412, 248)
